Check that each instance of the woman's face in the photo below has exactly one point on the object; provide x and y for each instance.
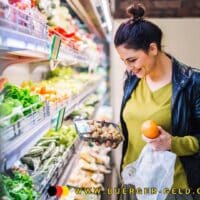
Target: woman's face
(138, 62)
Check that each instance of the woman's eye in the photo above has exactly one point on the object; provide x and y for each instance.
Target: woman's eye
(131, 61)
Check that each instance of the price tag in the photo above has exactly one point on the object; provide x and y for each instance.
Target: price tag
(60, 118)
(54, 51)
(82, 126)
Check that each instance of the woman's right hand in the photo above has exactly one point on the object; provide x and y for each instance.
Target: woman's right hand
(160, 143)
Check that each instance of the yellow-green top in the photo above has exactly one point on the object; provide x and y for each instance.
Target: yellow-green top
(144, 105)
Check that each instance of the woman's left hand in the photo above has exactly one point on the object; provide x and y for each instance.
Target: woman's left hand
(162, 142)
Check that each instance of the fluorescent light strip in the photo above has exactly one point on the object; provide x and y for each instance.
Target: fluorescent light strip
(107, 14)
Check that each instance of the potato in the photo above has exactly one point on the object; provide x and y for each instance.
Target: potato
(91, 122)
(118, 137)
(92, 128)
(110, 126)
(95, 134)
(104, 128)
(99, 125)
(104, 134)
(99, 130)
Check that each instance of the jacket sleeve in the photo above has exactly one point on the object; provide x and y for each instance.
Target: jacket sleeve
(184, 146)
(196, 109)
(190, 144)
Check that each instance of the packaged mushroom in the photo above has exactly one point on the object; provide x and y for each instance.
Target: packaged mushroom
(99, 131)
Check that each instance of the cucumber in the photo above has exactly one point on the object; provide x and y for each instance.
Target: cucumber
(28, 161)
(56, 137)
(36, 163)
(47, 163)
(46, 142)
(35, 151)
(33, 163)
(61, 148)
(56, 152)
(48, 152)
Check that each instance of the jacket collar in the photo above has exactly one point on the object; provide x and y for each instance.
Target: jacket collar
(130, 84)
(180, 73)
(180, 77)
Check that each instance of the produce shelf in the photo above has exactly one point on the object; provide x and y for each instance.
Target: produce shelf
(21, 136)
(21, 33)
(14, 150)
(25, 35)
(88, 90)
(21, 44)
(53, 175)
(72, 57)
(63, 180)
(73, 102)
(64, 169)
(78, 144)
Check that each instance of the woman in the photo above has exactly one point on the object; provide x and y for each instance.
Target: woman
(160, 88)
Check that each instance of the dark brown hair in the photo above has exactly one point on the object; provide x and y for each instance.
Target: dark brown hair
(137, 32)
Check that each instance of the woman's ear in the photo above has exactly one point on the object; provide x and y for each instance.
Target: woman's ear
(153, 49)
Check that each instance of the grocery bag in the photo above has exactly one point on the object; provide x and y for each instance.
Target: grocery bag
(153, 171)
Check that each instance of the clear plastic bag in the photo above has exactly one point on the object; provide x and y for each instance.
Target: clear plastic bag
(153, 169)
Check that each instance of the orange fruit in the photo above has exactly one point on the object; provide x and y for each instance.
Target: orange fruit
(150, 129)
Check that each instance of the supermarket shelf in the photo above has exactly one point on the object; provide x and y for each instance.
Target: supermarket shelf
(20, 47)
(95, 14)
(77, 147)
(72, 57)
(24, 38)
(22, 34)
(111, 181)
(16, 47)
(61, 175)
(16, 148)
(54, 175)
(72, 103)
(81, 98)
(99, 105)
(21, 44)
(67, 171)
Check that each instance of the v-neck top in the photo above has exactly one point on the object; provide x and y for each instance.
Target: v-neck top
(143, 105)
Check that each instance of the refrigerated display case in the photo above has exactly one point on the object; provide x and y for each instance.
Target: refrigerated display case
(26, 40)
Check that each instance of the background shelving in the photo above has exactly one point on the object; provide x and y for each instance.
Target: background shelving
(21, 136)
(25, 38)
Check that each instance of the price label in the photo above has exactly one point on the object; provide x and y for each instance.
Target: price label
(82, 126)
(54, 51)
(60, 118)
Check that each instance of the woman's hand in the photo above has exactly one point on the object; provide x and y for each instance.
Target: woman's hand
(162, 142)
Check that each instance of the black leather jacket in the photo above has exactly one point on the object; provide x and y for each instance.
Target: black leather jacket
(185, 112)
